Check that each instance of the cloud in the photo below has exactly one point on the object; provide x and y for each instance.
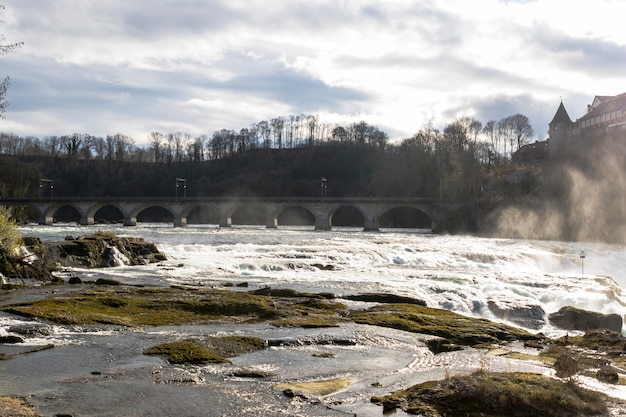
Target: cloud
(139, 66)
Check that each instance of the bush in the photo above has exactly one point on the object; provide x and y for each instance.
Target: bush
(10, 236)
(10, 241)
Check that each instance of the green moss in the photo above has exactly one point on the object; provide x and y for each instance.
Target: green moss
(209, 350)
(135, 307)
(308, 322)
(456, 328)
(186, 352)
(231, 346)
(496, 395)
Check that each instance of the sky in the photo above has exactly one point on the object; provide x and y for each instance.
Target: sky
(197, 66)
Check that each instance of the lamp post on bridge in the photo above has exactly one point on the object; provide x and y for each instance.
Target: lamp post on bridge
(323, 189)
(183, 182)
(50, 183)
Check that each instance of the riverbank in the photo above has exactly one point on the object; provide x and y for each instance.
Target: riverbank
(370, 349)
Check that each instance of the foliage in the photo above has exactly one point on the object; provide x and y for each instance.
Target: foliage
(10, 236)
(10, 241)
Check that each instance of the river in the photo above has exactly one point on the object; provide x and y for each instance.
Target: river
(101, 371)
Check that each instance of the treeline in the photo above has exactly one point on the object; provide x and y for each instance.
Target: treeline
(500, 138)
(278, 133)
(279, 157)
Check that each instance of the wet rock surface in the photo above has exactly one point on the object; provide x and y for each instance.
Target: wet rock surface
(572, 318)
(97, 250)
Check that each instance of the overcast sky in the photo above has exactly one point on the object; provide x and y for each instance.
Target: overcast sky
(197, 66)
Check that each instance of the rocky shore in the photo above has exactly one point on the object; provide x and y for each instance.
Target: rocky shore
(599, 353)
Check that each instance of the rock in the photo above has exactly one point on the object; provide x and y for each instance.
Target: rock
(385, 298)
(75, 280)
(31, 329)
(103, 249)
(572, 318)
(440, 345)
(527, 316)
(107, 281)
(324, 267)
(11, 340)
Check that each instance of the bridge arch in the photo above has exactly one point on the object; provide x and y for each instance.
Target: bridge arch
(405, 216)
(248, 214)
(65, 211)
(202, 214)
(294, 215)
(103, 212)
(153, 212)
(350, 215)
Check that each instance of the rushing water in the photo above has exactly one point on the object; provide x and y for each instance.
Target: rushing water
(465, 274)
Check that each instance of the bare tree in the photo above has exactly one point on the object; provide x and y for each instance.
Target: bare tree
(516, 130)
(4, 86)
(277, 127)
(522, 130)
(156, 140)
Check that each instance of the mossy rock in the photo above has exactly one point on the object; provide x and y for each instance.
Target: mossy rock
(186, 352)
(307, 322)
(208, 350)
(231, 346)
(144, 307)
(491, 394)
(454, 328)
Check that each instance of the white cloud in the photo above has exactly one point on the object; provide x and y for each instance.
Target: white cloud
(142, 66)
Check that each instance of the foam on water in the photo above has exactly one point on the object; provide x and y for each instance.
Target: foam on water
(459, 273)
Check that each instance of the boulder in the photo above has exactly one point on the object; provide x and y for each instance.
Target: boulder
(527, 316)
(572, 318)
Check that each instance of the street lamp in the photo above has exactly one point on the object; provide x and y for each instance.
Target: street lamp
(50, 183)
(323, 190)
(183, 182)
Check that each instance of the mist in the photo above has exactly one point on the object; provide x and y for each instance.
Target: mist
(582, 197)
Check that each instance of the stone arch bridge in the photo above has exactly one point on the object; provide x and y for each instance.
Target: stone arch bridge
(321, 211)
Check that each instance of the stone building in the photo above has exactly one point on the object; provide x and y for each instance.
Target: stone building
(606, 115)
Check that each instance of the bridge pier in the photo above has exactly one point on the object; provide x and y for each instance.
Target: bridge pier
(371, 224)
(86, 221)
(180, 221)
(271, 222)
(226, 221)
(130, 221)
(46, 220)
(322, 222)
